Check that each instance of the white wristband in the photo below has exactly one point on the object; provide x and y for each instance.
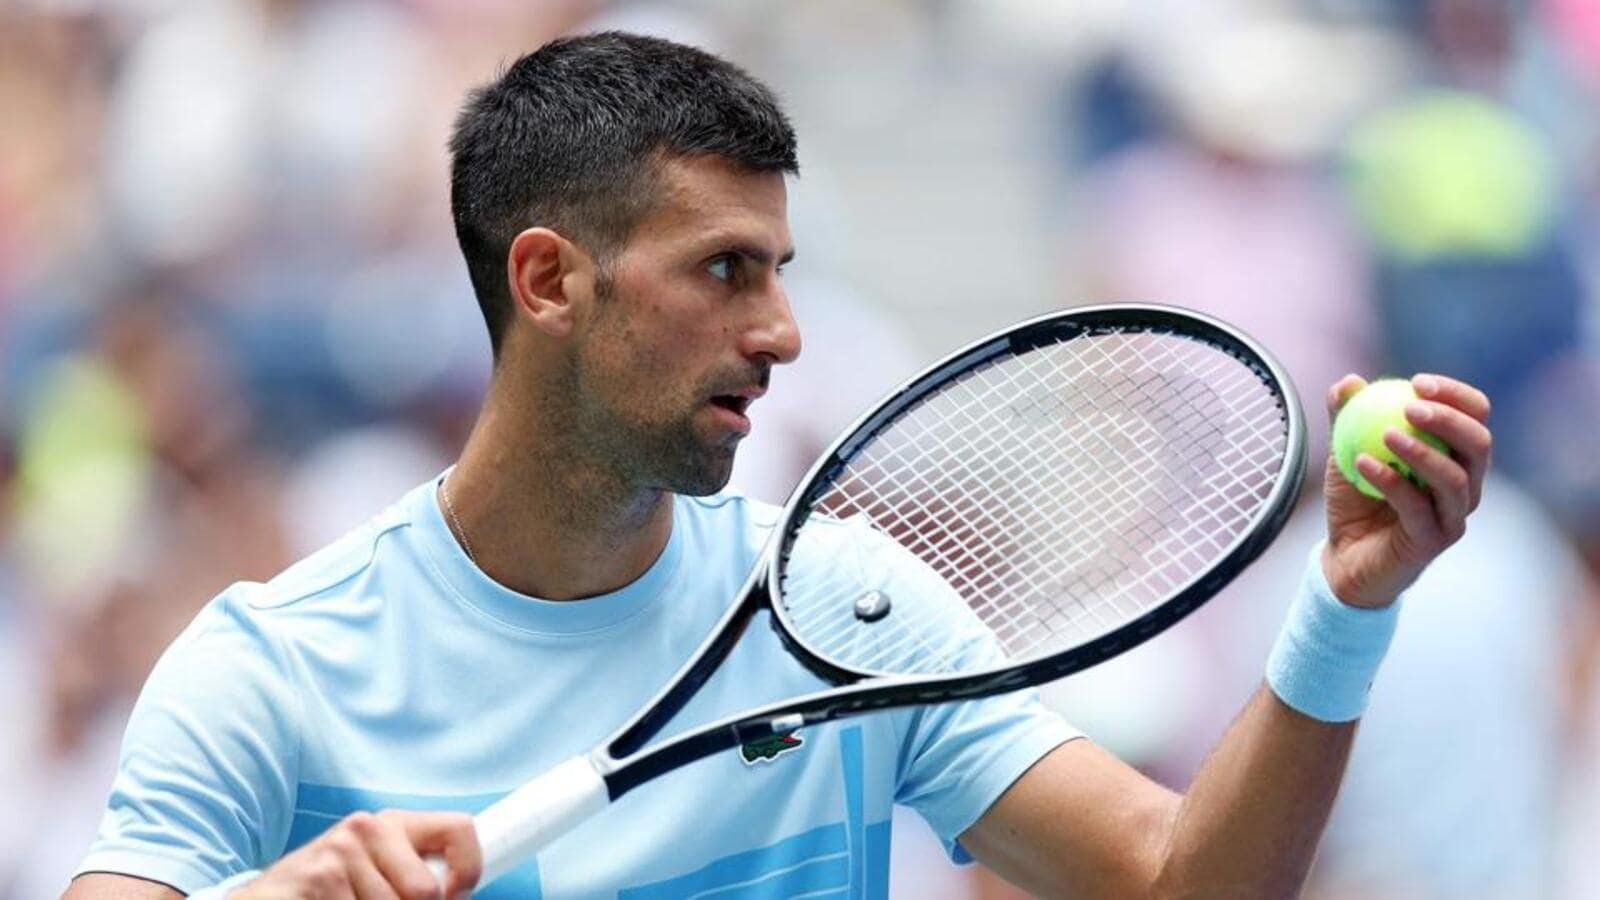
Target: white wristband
(1328, 652)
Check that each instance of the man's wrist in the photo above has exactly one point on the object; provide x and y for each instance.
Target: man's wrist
(1329, 651)
(1345, 590)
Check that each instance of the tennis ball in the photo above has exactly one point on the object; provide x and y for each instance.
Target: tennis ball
(1360, 425)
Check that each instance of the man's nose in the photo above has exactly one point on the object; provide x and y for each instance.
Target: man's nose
(776, 334)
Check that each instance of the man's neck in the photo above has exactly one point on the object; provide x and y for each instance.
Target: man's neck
(538, 521)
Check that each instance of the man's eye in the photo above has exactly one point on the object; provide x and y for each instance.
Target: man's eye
(721, 268)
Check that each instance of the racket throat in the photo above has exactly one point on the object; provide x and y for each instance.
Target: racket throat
(702, 664)
(678, 752)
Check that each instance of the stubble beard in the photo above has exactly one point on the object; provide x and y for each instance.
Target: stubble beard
(657, 448)
(648, 441)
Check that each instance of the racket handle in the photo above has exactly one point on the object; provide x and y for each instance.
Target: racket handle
(522, 822)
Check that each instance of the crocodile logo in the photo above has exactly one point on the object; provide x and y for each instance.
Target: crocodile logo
(766, 749)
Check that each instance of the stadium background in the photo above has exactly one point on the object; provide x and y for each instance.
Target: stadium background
(233, 323)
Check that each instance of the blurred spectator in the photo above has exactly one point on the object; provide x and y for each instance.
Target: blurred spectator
(1463, 201)
(1473, 278)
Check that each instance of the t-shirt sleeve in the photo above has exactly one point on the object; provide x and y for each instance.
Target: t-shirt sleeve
(205, 784)
(958, 758)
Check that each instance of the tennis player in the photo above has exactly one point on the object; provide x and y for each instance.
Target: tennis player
(620, 202)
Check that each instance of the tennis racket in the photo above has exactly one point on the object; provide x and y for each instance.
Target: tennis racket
(1033, 504)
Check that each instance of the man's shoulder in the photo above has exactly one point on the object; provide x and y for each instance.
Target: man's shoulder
(319, 575)
(324, 570)
(251, 626)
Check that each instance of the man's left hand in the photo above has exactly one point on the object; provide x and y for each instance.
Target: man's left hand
(1377, 548)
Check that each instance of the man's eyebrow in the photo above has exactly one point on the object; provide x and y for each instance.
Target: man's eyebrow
(759, 254)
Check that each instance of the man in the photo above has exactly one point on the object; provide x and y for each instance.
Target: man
(621, 205)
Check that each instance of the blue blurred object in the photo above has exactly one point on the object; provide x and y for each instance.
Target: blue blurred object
(1110, 109)
(1554, 425)
(1488, 321)
(1493, 322)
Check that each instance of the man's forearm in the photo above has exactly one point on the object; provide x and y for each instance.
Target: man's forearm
(1250, 822)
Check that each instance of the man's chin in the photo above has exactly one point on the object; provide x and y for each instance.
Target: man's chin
(709, 474)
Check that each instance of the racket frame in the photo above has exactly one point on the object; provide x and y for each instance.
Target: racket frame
(624, 762)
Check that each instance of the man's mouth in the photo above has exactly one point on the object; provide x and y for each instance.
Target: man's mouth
(732, 402)
(735, 407)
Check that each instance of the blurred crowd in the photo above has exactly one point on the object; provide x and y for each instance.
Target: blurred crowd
(233, 324)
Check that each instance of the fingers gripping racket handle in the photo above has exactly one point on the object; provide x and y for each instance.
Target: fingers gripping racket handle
(522, 822)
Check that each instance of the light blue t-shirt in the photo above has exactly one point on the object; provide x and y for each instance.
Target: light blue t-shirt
(387, 671)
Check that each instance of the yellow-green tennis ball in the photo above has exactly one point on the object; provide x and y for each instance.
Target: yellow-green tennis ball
(1360, 425)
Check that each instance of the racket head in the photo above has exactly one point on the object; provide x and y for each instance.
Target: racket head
(947, 540)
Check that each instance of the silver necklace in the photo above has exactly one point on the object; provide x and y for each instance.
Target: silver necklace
(460, 530)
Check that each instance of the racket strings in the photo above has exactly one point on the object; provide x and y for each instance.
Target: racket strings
(1093, 399)
(1050, 496)
(980, 586)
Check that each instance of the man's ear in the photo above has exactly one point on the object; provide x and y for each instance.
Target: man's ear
(537, 269)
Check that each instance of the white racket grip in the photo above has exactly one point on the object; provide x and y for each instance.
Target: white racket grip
(522, 822)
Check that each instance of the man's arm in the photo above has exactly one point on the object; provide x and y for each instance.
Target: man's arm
(1262, 799)
(1082, 823)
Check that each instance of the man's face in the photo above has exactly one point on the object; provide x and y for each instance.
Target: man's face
(687, 322)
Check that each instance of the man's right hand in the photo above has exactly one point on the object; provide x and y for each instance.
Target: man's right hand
(376, 856)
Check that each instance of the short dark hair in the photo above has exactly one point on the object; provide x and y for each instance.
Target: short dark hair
(571, 138)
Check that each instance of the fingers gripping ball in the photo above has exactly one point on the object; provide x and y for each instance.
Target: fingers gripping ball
(1361, 423)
